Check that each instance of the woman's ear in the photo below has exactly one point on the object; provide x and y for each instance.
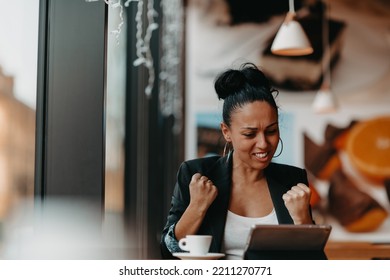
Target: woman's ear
(226, 132)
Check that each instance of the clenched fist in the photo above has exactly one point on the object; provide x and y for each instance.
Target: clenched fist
(202, 191)
(297, 201)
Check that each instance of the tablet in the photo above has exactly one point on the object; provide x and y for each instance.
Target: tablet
(288, 237)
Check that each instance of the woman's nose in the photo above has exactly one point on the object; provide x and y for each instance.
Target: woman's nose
(261, 141)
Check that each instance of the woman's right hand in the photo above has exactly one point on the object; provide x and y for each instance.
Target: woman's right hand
(202, 191)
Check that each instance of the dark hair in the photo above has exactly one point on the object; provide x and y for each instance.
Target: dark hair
(244, 85)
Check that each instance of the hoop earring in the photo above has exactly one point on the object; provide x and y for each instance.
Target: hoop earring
(225, 149)
(281, 149)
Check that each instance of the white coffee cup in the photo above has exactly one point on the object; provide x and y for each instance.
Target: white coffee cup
(196, 244)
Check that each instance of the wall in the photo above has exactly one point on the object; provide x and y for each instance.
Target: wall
(360, 81)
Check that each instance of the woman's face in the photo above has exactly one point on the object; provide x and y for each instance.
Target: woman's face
(254, 133)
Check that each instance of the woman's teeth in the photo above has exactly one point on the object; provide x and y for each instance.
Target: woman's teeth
(261, 155)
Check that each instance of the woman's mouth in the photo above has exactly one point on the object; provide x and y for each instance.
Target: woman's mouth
(261, 155)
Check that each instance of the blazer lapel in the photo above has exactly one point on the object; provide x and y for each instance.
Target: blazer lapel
(220, 174)
(277, 190)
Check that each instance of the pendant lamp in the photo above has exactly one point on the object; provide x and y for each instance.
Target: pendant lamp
(324, 101)
(291, 39)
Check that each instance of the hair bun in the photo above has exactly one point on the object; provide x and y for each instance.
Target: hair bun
(228, 83)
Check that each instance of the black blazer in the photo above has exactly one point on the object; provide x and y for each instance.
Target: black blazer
(280, 179)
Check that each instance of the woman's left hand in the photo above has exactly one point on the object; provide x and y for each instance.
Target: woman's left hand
(297, 201)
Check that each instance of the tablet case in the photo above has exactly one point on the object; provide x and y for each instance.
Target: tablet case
(287, 242)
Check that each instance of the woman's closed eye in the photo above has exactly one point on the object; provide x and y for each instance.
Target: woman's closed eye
(267, 132)
(271, 131)
(249, 135)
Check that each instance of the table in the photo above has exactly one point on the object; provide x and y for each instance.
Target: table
(336, 250)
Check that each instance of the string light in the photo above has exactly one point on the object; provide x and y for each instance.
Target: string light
(171, 87)
(143, 51)
(116, 5)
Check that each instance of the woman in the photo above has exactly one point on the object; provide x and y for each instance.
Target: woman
(224, 196)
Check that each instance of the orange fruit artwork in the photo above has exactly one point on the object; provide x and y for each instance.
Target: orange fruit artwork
(368, 148)
(315, 197)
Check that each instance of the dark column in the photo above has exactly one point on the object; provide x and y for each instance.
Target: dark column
(153, 151)
(70, 132)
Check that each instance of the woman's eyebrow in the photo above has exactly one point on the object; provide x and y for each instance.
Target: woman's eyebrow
(272, 124)
(249, 128)
(255, 128)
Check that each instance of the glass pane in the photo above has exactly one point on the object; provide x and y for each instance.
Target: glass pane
(115, 114)
(18, 76)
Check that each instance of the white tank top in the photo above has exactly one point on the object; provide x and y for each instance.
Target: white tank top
(237, 230)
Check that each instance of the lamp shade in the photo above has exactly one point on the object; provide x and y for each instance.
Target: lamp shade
(324, 101)
(291, 40)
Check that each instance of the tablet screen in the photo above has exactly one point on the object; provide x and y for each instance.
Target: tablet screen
(288, 237)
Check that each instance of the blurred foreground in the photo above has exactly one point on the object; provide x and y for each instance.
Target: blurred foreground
(65, 229)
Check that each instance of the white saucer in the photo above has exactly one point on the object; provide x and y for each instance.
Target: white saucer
(188, 256)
